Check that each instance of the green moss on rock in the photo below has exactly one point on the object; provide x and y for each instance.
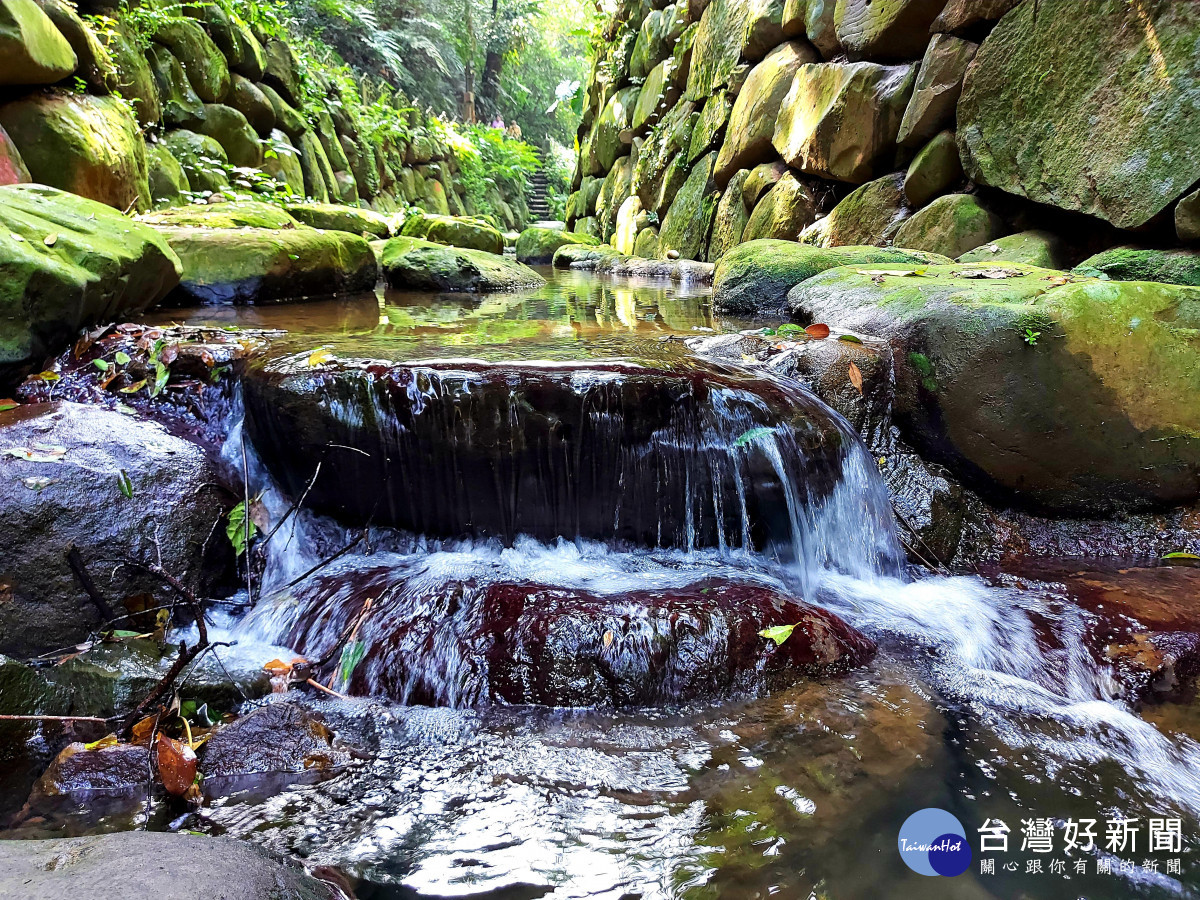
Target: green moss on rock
(240, 214)
(1032, 248)
(32, 50)
(755, 277)
(99, 266)
(950, 225)
(330, 217)
(536, 246)
(1075, 396)
(1140, 264)
(417, 265)
(468, 233)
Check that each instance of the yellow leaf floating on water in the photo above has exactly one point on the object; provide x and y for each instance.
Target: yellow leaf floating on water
(320, 357)
(50, 240)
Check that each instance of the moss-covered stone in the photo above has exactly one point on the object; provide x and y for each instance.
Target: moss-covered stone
(32, 50)
(821, 27)
(318, 174)
(950, 225)
(468, 233)
(784, 211)
(656, 39)
(616, 187)
(202, 159)
(288, 119)
(606, 144)
(263, 265)
(135, 80)
(87, 145)
(885, 29)
(536, 245)
(417, 265)
(657, 95)
(686, 226)
(761, 179)
(1142, 264)
(283, 163)
(731, 217)
(95, 64)
(582, 256)
(1077, 397)
(246, 98)
(229, 128)
(752, 121)
(168, 181)
(181, 106)
(1088, 107)
(1187, 218)
(709, 129)
(329, 217)
(1032, 248)
(717, 48)
(971, 18)
(202, 61)
(99, 266)
(755, 277)
(840, 120)
(871, 214)
(647, 244)
(933, 171)
(938, 86)
(241, 214)
(12, 168)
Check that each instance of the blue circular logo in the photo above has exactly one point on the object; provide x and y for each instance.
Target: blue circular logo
(933, 842)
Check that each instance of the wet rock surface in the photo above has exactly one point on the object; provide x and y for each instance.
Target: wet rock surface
(113, 486)
(647, 455)
(418, 265)
(472, 643)
(149, 866)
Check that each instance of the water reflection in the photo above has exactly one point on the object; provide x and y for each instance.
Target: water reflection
(573, 316)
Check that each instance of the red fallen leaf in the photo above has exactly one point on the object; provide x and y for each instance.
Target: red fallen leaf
(855, 377)
(817, 330)
(176, 765)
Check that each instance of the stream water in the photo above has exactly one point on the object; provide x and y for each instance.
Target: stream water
(984, 698)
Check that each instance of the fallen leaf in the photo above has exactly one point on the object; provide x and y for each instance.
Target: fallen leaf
(50, 240)
(855, 377)
(47, 376)
(752, 435)
(850, 338)
(277, 667)
(134, 388)
(607, 639)
(352, 655)
(6, 405)
(778, 633)
(817, 330)
(109, 740)
(142, 731)
(36, 453)
(176, 765)
(319, 357)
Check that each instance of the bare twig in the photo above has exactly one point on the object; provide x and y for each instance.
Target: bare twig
(349, 633)
(312, 682)
(75, 561)
(52, 719)
(295, 506)
(323, 563)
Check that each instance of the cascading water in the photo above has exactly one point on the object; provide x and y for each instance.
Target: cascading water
(504, 484)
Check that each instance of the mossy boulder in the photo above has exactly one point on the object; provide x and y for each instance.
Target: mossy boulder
(582, 256)
(656, 97)
(536, 246)
(950, 225)
(871, 214)
(1071, 395)
(783, 212)
(934, 170)
(280, 71)
(95, 64)
(755, 277)
(938, 86)
(318, 174)
(752, 122)
(717, 48)
(69, 264)
(135, 79)
(1044, 249)
(201, 59)
(283, 164)
(12, 168)
(686, 226)
(330, 217)
(417, 265)
(1187, 219)
(606, 144)
(246, 97)
(885, 29)
(1142, 264)
(241, 214)
(656, 39)
(264, 265)
(1088, 107)
(181, 106)
(729, 223)
(32, 50)
(840, 120)
(465, 232)
(168, 181)
(87, 145)
(202, 159)
(710, 126)
(761, 179)
(229, 128)
(288, 119)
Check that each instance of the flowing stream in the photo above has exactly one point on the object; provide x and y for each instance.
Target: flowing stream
(985, 697)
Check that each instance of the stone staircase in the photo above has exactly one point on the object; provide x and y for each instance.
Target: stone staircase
(539, 198)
